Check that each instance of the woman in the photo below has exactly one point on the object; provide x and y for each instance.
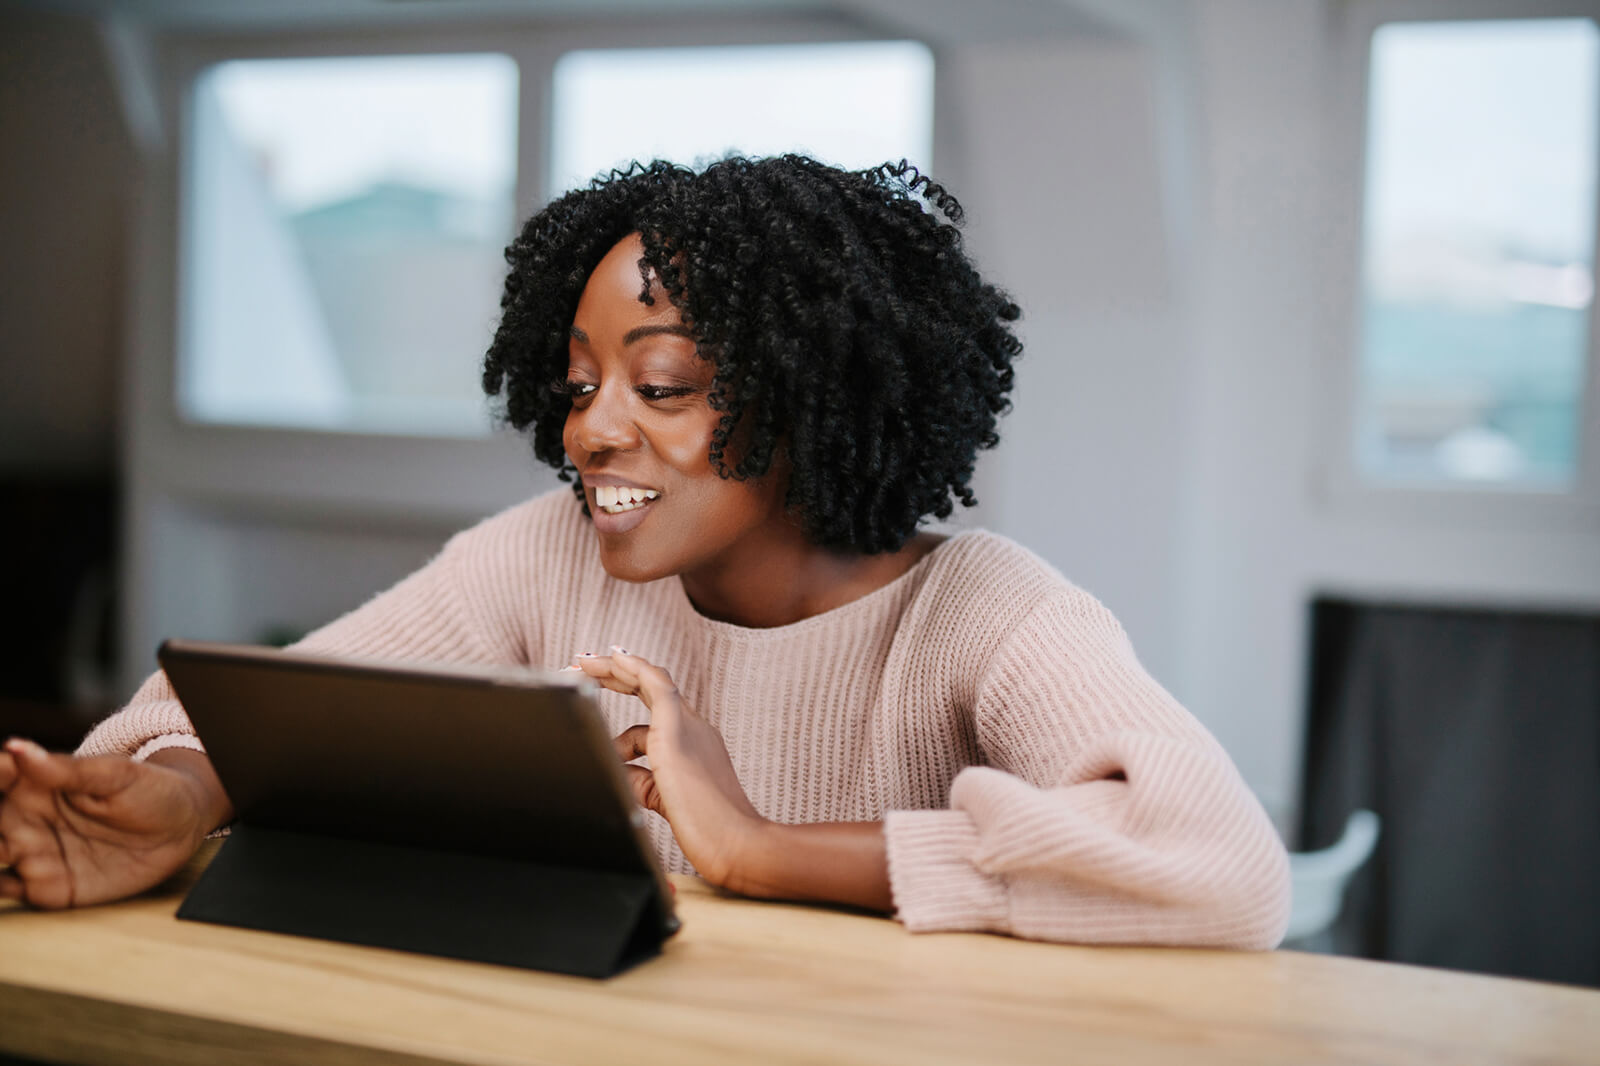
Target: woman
(760, 379)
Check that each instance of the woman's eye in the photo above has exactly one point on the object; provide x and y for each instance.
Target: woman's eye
(573, 390)
(578, 391)
(663, 392)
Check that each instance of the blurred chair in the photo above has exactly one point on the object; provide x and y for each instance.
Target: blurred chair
(1319, 879)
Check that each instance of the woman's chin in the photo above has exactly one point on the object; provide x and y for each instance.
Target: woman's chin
(626, 565)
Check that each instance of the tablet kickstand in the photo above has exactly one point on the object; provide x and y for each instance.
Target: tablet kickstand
(464, 906)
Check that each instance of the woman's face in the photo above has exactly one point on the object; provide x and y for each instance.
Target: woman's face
(639, 433)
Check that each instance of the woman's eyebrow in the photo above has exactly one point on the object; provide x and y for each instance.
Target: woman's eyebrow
(579, 335)
(641, 332)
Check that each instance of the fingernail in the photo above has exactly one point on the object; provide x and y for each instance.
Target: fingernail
(586, 655)
(620, 650)
(573, 669)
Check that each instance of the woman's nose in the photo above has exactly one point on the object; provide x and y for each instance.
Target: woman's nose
(607, 423)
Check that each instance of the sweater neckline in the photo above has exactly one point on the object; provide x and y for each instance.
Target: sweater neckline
(878, 597)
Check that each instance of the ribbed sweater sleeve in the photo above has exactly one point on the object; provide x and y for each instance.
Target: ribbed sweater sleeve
(466, 605)
(1106, 813)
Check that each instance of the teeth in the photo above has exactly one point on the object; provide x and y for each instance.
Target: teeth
(614, 499)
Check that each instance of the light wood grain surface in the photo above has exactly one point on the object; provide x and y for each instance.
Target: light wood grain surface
(745, 982)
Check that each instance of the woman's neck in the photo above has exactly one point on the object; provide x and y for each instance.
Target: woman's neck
(783, 583)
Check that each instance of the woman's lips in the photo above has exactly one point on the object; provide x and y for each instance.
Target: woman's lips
(619, 523)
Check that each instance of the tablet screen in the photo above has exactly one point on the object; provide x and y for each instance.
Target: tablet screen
(499, 761)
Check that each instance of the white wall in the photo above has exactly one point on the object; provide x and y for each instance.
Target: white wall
(1268, 521)
(1061, 178)
(249, 576)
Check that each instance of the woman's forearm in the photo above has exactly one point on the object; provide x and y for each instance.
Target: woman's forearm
(834, 862)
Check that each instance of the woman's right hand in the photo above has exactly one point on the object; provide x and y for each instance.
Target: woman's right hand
(77, 831)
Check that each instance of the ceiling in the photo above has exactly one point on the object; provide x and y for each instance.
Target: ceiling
(938, 21)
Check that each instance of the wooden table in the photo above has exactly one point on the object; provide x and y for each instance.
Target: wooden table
(745, 982)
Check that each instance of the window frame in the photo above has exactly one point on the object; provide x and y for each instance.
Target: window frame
(187, 162)
(263, 467)
(1342, 485)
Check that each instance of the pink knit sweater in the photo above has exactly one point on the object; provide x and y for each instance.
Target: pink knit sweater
(1032, 778)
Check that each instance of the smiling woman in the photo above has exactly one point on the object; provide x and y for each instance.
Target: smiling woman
(639, 431)
(761, 378)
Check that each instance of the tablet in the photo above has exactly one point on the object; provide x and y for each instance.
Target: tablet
(500, 767)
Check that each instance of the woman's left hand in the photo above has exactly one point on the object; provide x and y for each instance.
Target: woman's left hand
(691, 782)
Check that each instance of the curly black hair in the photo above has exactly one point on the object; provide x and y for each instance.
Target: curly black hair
(848, 328)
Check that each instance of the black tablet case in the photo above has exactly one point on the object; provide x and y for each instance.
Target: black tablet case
(474, 814)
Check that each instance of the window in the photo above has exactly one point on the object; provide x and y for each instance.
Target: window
(1478, 252)
(345, 224)
(855, 105)
(345, 219)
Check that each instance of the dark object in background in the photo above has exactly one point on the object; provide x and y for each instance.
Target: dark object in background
(1475, 735)
(57, 610)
